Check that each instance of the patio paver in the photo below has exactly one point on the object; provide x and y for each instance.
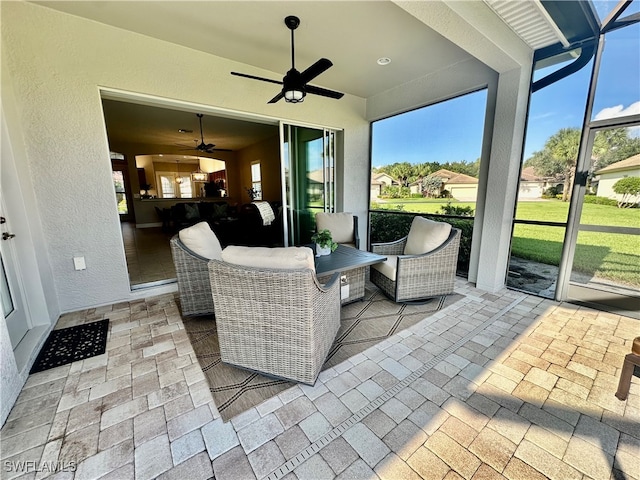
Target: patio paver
(499, 385)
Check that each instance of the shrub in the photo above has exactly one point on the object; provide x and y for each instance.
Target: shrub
(553, 191)
(600, 200)
(449, 209)
(629, 188)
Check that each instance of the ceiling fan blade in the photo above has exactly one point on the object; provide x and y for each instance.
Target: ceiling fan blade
(276, 98)
(323, 92)
(316, 69)
(212, 150)
(253, 77)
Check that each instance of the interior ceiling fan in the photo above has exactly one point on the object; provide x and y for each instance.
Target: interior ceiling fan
(205, 147)
(295, 84)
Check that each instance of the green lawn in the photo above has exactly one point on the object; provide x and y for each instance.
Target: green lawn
(612, 256)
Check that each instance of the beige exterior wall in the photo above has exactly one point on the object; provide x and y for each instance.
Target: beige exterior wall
(608, 180)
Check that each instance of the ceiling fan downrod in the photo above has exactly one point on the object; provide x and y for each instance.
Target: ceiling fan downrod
(292, 22)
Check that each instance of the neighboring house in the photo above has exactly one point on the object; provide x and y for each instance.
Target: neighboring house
(460, 186)
(532, 185)
(379, 181)
(609, 175)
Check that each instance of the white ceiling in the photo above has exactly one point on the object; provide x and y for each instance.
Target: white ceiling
(352, 34)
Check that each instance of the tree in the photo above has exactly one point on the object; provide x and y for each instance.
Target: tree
(559, 156)
(629, 188)
(403, 172)
(616, 145)
(431, 186)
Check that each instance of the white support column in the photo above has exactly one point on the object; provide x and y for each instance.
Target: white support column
(493, 228)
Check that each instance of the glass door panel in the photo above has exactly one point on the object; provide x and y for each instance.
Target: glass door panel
(308, 179)
(605, 262)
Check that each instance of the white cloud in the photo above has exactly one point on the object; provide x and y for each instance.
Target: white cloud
(618, 111)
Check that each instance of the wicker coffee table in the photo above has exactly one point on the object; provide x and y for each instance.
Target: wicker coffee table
(351, 263)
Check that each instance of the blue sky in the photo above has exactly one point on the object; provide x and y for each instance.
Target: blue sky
(452, 131)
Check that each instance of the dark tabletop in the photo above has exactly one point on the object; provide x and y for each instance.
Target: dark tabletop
(345, 258)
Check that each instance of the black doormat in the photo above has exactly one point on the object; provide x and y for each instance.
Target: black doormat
(71, 344)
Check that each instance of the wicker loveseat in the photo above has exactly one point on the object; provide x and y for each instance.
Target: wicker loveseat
(192, 248)
(409, 275)
(277, 321)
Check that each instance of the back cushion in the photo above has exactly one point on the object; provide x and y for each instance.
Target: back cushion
(290, 258)
(201, 240)
(340, 225)
(426, 235)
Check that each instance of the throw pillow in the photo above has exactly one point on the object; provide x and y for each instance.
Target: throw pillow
(425, 235)
(290, 258)
(191, 212)
(219, 210)
(200, 239)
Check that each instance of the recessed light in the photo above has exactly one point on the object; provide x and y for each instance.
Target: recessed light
(384, 61)
(184, 130)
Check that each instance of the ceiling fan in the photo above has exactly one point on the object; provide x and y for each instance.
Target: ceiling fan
(206, 147)
(295, 84)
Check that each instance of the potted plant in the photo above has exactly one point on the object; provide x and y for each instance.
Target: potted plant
(324, 243)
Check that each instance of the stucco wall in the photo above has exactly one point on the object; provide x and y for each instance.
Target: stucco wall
(57, 64)
(608, 180)
(267, 153)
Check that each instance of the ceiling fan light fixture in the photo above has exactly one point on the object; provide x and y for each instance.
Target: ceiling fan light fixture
(294, 96)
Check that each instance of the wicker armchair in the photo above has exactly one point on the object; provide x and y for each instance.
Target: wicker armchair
(193, 279)
(417, 277)
(278, 322)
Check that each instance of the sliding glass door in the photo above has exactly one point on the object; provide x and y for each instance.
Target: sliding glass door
(308, 156)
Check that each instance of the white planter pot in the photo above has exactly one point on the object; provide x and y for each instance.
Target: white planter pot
(320, 251)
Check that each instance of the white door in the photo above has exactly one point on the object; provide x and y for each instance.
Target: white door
(11, 293)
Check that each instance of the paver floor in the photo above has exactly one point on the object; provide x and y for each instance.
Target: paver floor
(495, 386)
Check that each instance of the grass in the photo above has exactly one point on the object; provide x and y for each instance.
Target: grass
(615, 257)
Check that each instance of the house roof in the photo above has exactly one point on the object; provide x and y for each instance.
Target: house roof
(375, 178)
(528, 174)
(631, 163)
(453, 177)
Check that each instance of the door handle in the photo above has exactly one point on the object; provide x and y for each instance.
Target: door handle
(7, 236)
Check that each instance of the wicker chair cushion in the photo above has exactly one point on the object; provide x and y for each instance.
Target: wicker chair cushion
(340, 225)
(426, 235)
(388, 268)
(200, 239)
(290, 258)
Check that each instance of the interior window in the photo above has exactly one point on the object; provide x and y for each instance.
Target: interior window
(256, 180)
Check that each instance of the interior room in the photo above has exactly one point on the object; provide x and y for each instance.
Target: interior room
(121, 119)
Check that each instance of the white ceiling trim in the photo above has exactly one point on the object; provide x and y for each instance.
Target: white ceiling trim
(530, 21)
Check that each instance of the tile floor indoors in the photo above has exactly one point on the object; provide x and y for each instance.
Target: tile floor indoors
(148, 254)
(495, 386)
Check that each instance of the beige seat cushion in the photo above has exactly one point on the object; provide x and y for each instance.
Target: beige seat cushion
(389, 268)
(264, 257)
(339, 224)
(200, 239)
(426, 235)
